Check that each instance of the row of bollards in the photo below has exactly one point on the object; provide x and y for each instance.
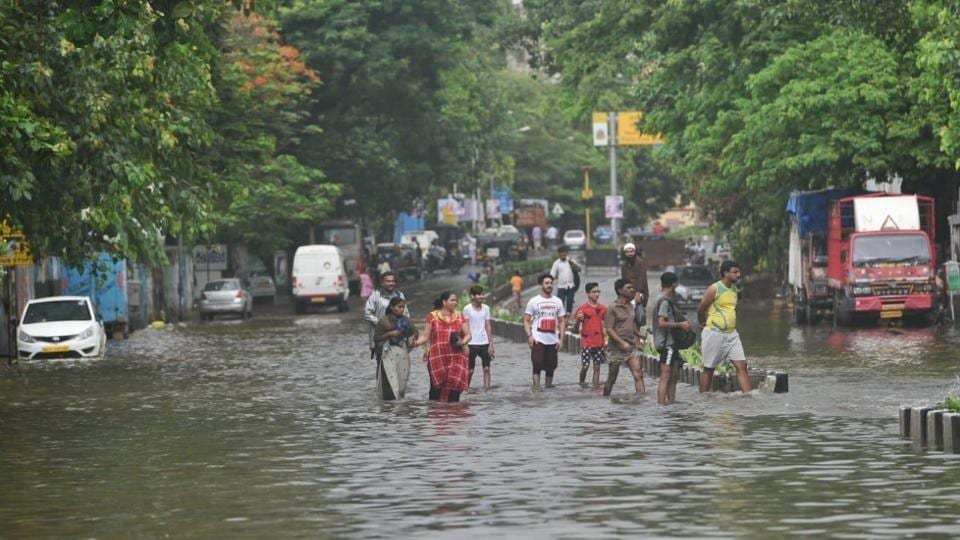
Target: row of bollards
(778, 382)
(931, 429)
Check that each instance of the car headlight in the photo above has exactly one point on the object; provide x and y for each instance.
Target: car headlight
(683, 291)
(88, 333)
(25, 337)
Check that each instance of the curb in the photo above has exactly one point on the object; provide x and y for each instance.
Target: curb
(776, 381)
(930, 429)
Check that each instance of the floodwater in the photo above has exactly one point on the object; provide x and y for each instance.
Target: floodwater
(269, 429)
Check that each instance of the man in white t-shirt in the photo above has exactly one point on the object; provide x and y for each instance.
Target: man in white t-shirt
(564, 272)
(481, 341)
(545, 322)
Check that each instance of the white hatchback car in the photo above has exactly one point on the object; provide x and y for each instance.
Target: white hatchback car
(575, 239)
(60, 327)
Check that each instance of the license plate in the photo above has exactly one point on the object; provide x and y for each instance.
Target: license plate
(56, 348)
(318, 299)
(891, 314)
(893, 307)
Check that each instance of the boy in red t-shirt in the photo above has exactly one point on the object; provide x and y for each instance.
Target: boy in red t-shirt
(589, 323)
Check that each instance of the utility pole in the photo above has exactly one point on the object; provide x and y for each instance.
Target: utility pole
(612, 137)
(587, 195)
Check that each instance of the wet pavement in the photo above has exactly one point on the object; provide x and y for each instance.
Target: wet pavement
(270, 428)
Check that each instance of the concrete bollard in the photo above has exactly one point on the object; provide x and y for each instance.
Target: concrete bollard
(783, 383)
(951, 433)
(905, 422)
(918, 426)
(935, 430)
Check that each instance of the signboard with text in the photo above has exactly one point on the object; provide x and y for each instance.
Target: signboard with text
(14, 248)
(627, 132)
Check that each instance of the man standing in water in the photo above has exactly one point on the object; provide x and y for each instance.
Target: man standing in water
(376, 306)
(563, 277)
(719, 341)
(588, 322)
(545, 322)
(481, 335)
(634, 270)
(665, 319)
(625, 339)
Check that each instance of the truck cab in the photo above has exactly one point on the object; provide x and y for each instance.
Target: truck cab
(881, 261)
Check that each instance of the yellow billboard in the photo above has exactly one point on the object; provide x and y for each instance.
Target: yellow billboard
(627, 132)
(14, 249)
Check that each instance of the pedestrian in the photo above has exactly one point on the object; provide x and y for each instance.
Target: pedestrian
(516, 286)
(625, 338)
(551, 235)
(448, 335)
(394, 335)
(634, 269)
(667, 316)
(491, 274)
(537, 237)
(545, 323)
(366, 286)
(588, 322)
(481, 331)
(720, 341)
(376, 306)
(565, 272)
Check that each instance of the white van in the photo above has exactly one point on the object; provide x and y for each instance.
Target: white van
(319, 278)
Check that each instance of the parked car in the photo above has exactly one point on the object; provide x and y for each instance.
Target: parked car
(262, 287)
(575, 239)
(319, 278)
(603, 234)
(693, 281)
(60, 327)
(225, 296)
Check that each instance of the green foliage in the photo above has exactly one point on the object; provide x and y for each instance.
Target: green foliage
(949, 403)
(526, 268)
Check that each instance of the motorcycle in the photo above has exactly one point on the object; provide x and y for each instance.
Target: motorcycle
(435, 259)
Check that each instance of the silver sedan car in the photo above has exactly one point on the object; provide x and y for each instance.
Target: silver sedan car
(225, 296)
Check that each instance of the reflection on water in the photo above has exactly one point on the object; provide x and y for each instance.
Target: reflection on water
(269, 428)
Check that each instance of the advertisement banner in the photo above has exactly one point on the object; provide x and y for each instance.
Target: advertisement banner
(493, 208)
(600, 136)
(448, 211)
(613, 206)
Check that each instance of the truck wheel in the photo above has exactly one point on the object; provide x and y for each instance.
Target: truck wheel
(841, 315)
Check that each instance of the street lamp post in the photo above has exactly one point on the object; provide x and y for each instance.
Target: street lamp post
(612, 134)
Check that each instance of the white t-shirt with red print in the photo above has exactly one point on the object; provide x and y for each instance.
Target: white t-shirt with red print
(545, 314)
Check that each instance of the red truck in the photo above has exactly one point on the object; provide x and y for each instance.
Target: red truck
(863, 256)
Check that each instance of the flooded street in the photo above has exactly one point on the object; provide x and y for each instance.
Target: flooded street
(269, 428)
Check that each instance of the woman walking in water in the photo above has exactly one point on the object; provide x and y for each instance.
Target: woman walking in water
(447, 334)
(393, 336)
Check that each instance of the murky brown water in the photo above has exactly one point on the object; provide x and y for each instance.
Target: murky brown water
(269, 429)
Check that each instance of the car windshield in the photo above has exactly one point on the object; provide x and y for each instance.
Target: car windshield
(574, 234)
(64, 310)
(890, 248)
(339, 236)
(229, 285)
(695, 274)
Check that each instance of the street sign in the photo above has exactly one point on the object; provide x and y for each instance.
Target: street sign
(627, 132)
(629, 135)
(557, 210)
(14, 248)
(600, 135)
(613, 204)
(506, 200)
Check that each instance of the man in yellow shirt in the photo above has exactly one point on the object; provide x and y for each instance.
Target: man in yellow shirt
(720, 341)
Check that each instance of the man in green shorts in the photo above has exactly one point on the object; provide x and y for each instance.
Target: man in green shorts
(625, 339)
(719, 341)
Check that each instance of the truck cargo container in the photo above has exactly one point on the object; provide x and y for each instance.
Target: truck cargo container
(106, 287)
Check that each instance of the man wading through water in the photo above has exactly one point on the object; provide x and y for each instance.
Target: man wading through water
(625, 340)
(545, 322)
(377, 304)
(719, 341)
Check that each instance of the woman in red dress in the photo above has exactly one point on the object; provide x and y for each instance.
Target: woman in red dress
(448, 334)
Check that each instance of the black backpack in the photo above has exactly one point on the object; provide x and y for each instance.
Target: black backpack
(682, 339)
